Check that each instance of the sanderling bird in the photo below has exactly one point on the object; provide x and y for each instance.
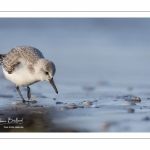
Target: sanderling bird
(25, 65)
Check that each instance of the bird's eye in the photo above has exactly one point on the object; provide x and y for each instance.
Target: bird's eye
(46, 73)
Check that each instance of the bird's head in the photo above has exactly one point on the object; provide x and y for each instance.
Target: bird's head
(47, 71)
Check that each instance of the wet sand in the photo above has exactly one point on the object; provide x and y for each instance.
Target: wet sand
(99, 108)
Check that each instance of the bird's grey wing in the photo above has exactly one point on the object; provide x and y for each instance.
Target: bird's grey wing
(30, 54)
(2, 56)
(10, 61)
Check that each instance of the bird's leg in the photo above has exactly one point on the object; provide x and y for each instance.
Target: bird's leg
(23, 100)
(28, 93)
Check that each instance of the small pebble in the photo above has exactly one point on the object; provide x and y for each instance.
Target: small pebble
(65, 103)
(54, 98)
(131, 110)
(59, 102)
(132, 98)
(136, 99)
(73, 106)
(86, 103)
(95, 106)
(64, 108)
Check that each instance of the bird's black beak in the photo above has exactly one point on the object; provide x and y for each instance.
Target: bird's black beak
(53, 85)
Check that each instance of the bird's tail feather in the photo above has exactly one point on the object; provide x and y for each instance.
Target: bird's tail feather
(2, 56)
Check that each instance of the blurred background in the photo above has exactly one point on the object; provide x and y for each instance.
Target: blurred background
(86, 50)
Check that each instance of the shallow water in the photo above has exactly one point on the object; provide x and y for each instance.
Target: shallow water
(102, 61)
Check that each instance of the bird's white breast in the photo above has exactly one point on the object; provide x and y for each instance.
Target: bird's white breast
(21, 75)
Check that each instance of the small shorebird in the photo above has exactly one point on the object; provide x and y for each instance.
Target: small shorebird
(25, 65)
